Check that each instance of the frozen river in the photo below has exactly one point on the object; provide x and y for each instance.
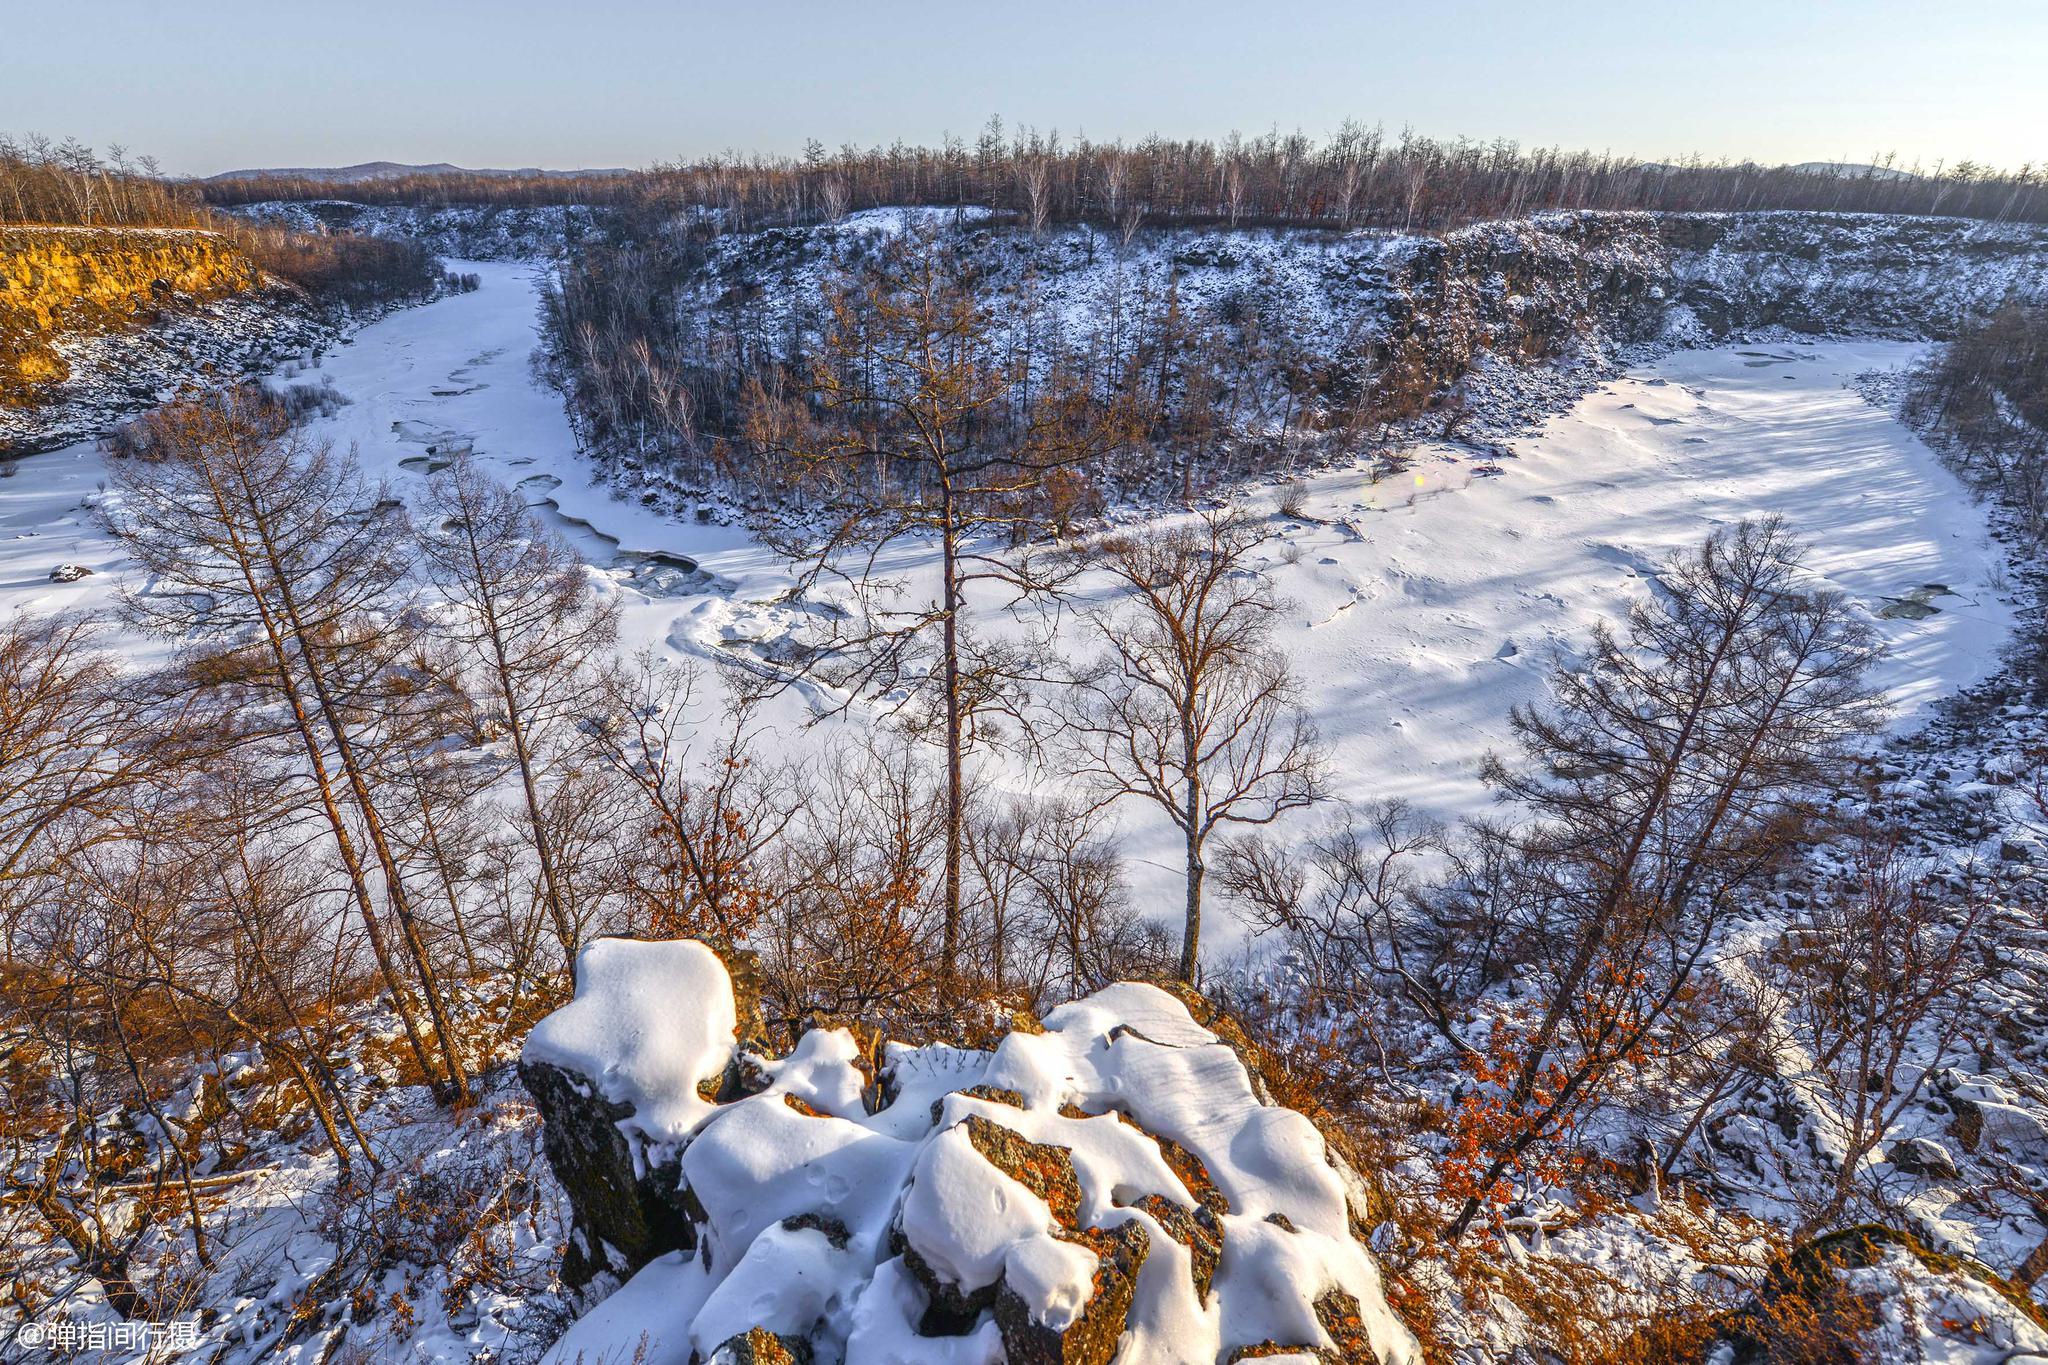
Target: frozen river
(1421, 607)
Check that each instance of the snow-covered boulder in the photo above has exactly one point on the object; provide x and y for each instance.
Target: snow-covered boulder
(1109, 1189)
(1922, 1156)
(621, 1073)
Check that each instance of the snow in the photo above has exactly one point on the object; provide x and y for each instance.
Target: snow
(803, 1212)
(646, 1320)
(1423, 606)
(790, 1279)
(762, 1162)
(650, 1023)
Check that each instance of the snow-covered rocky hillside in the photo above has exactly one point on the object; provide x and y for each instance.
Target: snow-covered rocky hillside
(1109, 1185)
(465, 231)
(1515, 282)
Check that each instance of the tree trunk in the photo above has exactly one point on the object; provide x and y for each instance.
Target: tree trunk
(394, 886)
(955, 742)
(1191, 827)
(316, 762)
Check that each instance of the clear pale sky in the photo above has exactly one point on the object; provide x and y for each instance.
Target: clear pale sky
(230, 83)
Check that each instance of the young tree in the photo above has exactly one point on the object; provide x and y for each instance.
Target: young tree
(698, 856)
(1349, 907)
(852, 929)
(1671, 771)
(76, 734)
(1048, 898)
(1191, 707)
(1881, 968)
(918, 421)
(528, 625)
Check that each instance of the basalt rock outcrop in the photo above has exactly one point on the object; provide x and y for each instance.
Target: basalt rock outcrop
(57, 281)
(1113, 1188)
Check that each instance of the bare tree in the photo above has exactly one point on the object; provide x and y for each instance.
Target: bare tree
(247, 525)
(76, 734)
(707, 823)
(1348, 907)
(1881, 970)
(1049, 900)
(852, 930)
(919, 423)
(530, 628)
(1191, 708)
(1670, 773)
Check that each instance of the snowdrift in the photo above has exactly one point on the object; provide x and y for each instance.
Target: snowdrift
(1111, 1188)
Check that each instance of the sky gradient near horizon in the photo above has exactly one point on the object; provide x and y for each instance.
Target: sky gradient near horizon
(235, 84)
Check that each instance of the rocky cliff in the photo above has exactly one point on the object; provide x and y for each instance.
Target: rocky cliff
(60, 281)
(1109, 1187)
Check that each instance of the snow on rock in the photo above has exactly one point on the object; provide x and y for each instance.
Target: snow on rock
(621, 1071)
(651, 1022)
(1109, 1189)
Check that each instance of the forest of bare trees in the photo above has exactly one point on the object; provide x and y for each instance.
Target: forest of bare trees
(1358, 178)
(1986, 396)
(1142, 396)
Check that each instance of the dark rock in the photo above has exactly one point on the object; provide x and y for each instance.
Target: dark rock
(637, 1216)
(1922, 1156)
(1967, 1127)
(949, 1311)
(824, 1224)
(1092, 1337)
(69, 573)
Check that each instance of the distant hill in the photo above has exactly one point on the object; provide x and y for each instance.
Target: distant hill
(1851, 170)
(391, 170)
(1846, 170)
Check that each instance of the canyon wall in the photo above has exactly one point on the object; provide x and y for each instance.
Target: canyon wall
(59, 281)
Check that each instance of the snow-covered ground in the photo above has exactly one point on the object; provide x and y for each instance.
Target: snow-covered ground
(1422, 605)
